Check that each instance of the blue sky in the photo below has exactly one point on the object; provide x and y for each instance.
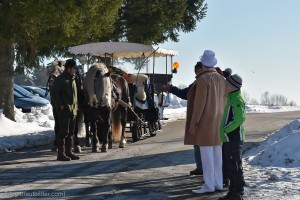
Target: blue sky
(258, 39)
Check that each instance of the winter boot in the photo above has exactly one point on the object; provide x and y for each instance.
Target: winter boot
(196, 172)
(225, 183)
(69, 149)
(61, 156)
(232, 196)
(54, 149)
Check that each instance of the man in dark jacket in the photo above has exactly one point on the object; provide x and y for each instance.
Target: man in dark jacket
(66, 104)
(182, 93)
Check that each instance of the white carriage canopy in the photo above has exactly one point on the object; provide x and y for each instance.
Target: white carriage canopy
(128, 50)
(121, 50)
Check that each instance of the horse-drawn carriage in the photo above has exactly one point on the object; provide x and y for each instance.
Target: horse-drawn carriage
(147, 98)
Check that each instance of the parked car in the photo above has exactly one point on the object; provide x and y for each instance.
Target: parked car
(26, 100)
(37, 91)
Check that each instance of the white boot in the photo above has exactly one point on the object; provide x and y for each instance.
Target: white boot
(203, 189)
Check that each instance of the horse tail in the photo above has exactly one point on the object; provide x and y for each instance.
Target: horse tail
(116, 126)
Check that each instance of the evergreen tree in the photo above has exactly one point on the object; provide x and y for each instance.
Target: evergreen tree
(31, 30)
(156, 21)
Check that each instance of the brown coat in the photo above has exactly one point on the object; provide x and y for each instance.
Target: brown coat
(206, 103)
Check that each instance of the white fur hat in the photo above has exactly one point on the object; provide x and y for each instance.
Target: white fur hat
(208, 58)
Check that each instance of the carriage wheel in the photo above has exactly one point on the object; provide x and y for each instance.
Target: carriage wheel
(136, 133)
(152, 128)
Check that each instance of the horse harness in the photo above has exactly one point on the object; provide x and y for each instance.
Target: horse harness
(115, 92)
(116, 95)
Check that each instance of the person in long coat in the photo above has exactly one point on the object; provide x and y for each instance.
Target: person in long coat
(66, 104)
(182, 93)
(206, 103)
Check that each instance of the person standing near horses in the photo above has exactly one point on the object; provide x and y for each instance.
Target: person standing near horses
(66, 104)
(81, 99)
(206, 103)
(56, 68)
(183, 94)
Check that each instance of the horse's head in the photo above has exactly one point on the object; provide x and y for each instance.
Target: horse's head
(97, 85)
(103, 86)
(56, 67)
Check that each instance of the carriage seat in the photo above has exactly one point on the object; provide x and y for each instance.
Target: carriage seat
(140, 80)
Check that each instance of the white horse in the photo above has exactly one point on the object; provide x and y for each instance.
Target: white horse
(103, 107)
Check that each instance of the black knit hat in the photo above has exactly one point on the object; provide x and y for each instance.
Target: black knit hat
(198, 66)
(227, 72)
(70, 63)
(235, 81)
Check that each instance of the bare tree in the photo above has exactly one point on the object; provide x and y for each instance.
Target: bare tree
(265, 99)
(278, 100)
(275, 100)
(292, 103)
(253, 102)
(246, 97)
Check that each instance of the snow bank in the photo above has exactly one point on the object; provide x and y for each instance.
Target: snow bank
(280, 149)
(30, 129)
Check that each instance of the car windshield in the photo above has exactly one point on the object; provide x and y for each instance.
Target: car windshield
(22, 90)
(40, 90)
(35, 90)
(18, 95)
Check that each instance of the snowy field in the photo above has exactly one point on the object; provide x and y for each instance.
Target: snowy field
(272, 169)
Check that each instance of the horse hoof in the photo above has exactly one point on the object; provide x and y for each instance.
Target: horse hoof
(122, 145)
(104, 148)
(77, 149)
(95, 150)
(88, 145)
(98, 145)
(110, 146)
(54, 149)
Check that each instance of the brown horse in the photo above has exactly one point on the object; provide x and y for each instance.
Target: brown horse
(104, 92)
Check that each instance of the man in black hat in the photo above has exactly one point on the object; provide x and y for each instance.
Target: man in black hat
(182, 93)
(66, 104)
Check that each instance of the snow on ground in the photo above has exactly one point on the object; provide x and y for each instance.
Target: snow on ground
(272, 169)
(270, 109)
(30, 130)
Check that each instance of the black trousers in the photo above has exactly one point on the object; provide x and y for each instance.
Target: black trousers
(55, 124)
(232, 155)
(66, 123)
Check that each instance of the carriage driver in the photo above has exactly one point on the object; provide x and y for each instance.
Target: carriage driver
(66, 105)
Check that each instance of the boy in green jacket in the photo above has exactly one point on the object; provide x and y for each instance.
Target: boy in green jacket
(232, 136)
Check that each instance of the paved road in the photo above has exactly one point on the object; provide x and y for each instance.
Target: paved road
(153, 168)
